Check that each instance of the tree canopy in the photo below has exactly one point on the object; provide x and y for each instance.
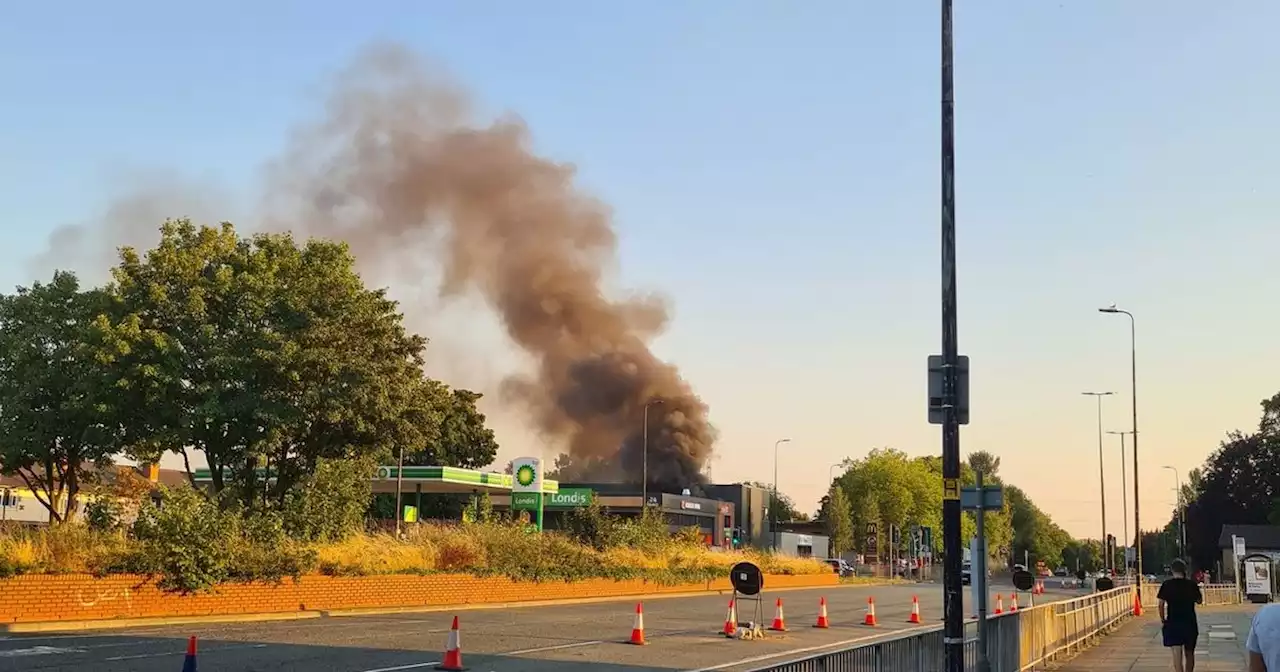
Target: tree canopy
(266, 356)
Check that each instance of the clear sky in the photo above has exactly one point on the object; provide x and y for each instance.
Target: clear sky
(774, 169)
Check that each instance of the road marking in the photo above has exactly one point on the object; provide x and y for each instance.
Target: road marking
(183, 653)
(554, 648)
(404, 667)
(807, 649)
(37, 651)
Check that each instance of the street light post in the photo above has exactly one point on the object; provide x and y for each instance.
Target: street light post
(1107, 561)
(1182, 515)
(1124, 499)
(1133, 373)
(773, 505)
(644, 475)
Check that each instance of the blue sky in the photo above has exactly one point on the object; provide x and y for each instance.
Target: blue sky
(774, 170)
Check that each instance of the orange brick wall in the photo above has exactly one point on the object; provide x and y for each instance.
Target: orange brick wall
(81, 597)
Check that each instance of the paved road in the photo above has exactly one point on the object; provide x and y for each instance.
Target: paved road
(682, 634)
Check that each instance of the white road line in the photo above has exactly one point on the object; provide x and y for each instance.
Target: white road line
(183, 653)
(404, 667)
(807, 649)
(554, 648)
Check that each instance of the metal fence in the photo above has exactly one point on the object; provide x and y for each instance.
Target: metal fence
(1028, 639)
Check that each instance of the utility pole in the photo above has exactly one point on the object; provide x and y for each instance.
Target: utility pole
(953, 600)
(1107, 561)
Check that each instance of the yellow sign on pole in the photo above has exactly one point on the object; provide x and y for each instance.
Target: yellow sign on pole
(950, 488)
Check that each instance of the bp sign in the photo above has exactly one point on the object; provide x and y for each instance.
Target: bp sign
(526, 486)
(570, 498)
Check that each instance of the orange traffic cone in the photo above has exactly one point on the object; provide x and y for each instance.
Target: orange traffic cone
(822, 614)
(871, 612)
(637, 630)
(1014, 599)
(1039, 588)
(452, 650)
(999, 604)
(730, 621)
(189, 664)
(779, 623)
(1137, 603)
(915, 610)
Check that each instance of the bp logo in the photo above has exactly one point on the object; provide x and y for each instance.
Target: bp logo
(525, 475)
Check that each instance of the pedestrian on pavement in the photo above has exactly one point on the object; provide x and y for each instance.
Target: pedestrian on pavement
(1178, 599)
(1264, 640)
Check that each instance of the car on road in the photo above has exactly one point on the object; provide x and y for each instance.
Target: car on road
(1061, 571)
(840, 566)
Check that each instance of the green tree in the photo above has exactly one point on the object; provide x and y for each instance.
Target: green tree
(986, 463)
(266, 356)
(330, 504)
(59, 408)
(459, 437)
(839, 522)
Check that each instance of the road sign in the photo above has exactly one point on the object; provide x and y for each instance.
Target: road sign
(1238, 547)
(1023, 580)
(926, 537)
(936, 406)
(746, 578)
(950, 488)
(990, 498)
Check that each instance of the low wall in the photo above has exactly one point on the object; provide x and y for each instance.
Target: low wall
(44, 598)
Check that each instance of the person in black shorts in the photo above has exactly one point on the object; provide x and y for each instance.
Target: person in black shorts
(1178, 599)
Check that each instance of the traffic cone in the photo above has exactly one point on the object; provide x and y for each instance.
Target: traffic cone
(1014, 599)
(822, 614)
(452, 650)
(730, 621)
(779, 624)
(871, 612)
(999, 604)
(637, 630)
(189, 663)
(1039, 588)
(1137, 603)
(915, 610)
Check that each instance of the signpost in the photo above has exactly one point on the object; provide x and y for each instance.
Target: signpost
(526, 487)
(1238, 551)
(981, 499)
(747, 581)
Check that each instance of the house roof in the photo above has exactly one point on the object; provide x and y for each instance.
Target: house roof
(167, 477)
(1265, 537)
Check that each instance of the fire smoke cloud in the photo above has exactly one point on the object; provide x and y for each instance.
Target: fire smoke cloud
(398, 169)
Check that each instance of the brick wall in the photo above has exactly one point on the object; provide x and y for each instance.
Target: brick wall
(39, 598)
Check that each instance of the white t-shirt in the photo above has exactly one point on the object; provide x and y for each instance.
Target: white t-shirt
(1264, 636)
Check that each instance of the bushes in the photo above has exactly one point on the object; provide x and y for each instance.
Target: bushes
(192, 545)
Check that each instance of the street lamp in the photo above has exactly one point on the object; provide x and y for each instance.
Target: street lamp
(1133, 372)
(1102, 480)
(1182, 515)
(1124, 499)
(773, 505)
(644, 475)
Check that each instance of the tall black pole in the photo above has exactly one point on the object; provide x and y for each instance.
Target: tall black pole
(952, 597)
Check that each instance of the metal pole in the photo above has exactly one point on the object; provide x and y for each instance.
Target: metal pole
(1107, 561)
(773, 505)
(1133, 372)
(1124, 500)
(953, 600)
(978, 568)
(399, 485)
(644, 459)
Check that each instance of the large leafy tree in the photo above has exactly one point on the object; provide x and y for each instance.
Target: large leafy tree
(267, 356)
(1239, 484)
(839, 522)
(59, 411)
(456, 434)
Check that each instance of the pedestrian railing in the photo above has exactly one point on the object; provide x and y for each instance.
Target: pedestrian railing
(1028, 639)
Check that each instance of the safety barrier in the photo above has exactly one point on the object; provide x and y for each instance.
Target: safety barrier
(1028, 639)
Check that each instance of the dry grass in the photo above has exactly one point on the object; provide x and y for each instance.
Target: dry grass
(484, 549)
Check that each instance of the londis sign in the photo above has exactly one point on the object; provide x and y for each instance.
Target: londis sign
(570, 498)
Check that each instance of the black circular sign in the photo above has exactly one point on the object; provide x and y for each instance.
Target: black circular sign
(1105, 583)
(1080, 574)
(746, 578)
(1023, 580)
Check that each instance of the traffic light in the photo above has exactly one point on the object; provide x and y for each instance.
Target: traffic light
(737, 537)
(895, 537)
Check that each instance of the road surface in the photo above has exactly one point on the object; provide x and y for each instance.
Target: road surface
(682, 636)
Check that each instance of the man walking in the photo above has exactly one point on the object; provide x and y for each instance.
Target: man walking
(1178, 599)
(1264, 640)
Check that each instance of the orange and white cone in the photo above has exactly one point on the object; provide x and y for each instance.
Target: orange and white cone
(999, 604)
(822, 614)
(637, 630)
(779, 624)
(871, 612)
(1013, 598)
(189, 663)
(452, 651)
(1137, 603)
(730, 621)
(915, 610)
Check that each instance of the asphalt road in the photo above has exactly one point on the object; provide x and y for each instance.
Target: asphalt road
(682, 635)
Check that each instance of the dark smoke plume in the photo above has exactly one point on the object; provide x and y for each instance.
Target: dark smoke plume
(397, 169)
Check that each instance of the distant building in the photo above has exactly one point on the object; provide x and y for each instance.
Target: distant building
(1258, 540)
(19, 504)
(752, 506)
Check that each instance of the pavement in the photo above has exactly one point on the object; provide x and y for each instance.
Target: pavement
(1137, 646)
(682, 635)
